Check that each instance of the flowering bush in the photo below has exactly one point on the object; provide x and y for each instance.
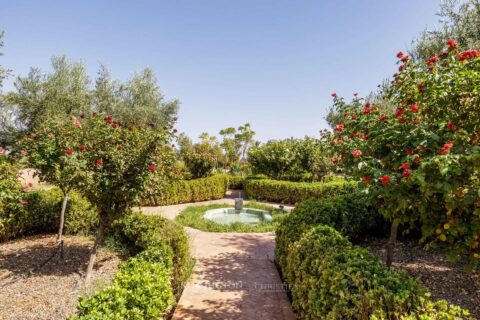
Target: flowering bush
(420, 160)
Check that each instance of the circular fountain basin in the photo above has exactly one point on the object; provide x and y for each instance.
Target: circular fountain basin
(229, 216)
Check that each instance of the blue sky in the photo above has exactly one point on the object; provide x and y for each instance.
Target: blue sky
(272, 63)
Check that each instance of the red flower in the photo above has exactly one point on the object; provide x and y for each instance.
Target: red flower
(2, 151)
(108, 119)
(451, 126)
(356, 153)
(405, 165)
(339, 127)
(414, 108)
(451, 43)
(399, 54)
(399, 112)
(366, 179)
(354, 117)
(152, 167)
(83, 148)
(404, 58)
(334, 94)
(468, 54)
(446, 147)
(69, 152)
(382, 118)
(416, 121)
(30, 184)
(100, 162)
(406, 173)
(443, 53)
(403, 120)
(409, 151)
(366, 109)
(417, 159)
(433, 60)
(385, 179)
(23, 202)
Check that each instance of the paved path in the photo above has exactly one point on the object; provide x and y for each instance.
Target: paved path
(234, 275)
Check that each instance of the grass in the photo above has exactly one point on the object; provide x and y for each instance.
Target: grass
(193, 217)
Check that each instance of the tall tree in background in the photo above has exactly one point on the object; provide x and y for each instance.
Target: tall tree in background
(245, 136)
(460, 20)
(41, 96)
(138, 102)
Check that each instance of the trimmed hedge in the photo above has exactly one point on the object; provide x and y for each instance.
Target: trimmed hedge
(185, 191)
(147, 284)
(347, 214)
(333, 279)
(42, 215)
(294, 192)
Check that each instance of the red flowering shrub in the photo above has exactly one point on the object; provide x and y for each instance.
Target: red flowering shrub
(422, 157)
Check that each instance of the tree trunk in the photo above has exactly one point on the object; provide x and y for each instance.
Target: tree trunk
(62, 217)
(93, 254)
(391, 241)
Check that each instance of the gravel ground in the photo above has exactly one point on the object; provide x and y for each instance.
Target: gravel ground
(445, 279)
(52, 291)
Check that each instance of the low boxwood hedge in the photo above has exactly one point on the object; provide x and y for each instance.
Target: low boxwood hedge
(346, 213)
(42, 212)
(146, 285)
(332, 279)
(185, 191)
(295, 192)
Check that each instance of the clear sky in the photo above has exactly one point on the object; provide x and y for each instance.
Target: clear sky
(272, 63)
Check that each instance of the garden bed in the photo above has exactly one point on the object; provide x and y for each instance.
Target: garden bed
(52, 291)
(444, 279)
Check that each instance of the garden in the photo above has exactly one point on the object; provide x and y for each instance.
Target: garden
(108, 212)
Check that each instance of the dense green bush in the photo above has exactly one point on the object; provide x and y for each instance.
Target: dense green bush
(195, 190)
(141, 289)
(147, 284)
(41, 214)
(332, 279)
(294, 192)
(138, 232)
(348, 214)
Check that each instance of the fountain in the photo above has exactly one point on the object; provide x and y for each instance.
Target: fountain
(238, 214)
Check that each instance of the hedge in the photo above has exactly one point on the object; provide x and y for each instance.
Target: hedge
(42, 212)
(147, 284)
(185, 191)
(294, 192)
(347, 213)
(333, 279)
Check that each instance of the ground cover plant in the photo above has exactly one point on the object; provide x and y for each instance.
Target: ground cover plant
(192, 217)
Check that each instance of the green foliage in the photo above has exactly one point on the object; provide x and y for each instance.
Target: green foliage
(349, 214)
(192, 217)
(147, 284)
(290, 159)
(139, 232)
(139, 102)
(42, 96)
(140, 290)
(185, 191)
(420, 162)
(332, 279)
(294, 192)
(40, 215)
(459, 20)
(201, 158)
(10, 187)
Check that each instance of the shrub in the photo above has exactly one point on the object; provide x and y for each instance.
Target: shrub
(332, 279)
(294, 192)
(185, 191)
(138, 232)
(349, 214)
(140, 290)
(147, 284)
(40, 215)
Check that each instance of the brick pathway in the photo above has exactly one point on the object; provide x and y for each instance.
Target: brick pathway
(234, 275)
